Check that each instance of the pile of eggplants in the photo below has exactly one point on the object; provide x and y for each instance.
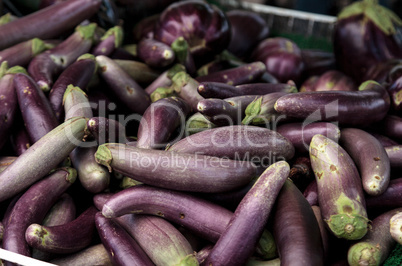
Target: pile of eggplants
(183, 133)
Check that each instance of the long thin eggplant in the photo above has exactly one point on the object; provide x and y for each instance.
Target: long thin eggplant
(237, 242)
(22, 53)
(165, 78)
(32, 207)
(66, 238)
(112, 39)
(59, 18)
(127, 90)
(353, 108)
(139, 71)
(35, 108)
(155, 53)
(246, 73)
(300, 134)
(299, 241)
(19, 138)
(121, 247)
(376, 246)
(222, 90)
(173, 170)
(390, 126)
(394, 155)
(340, 191)
(76, 103)
(391, 198)
(370, 158)
(93, 255)
(106, 130)
(239, 143)
(77, 74)
(159, 122)
(41, 157)
(45, 66)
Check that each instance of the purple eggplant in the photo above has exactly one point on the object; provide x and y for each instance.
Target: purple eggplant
(309, 84)
(59, 18)
(394, 153)
(179, 171)
(127, 90)
(395, 92)
(246, 73)
(8, 103)
(370, 158)
(76, 103)
(340, 191)
(300, 134)
(52, 62)
(106, 130)
(32, 207)
(282, 58)
(261, 111)
(155, 53)
(112, 39)
(366, 34)
(208, 34)
(229, 111)
(301, 172)
(35, 108)
(298, 242)
(354, 108)
(317, 62)
(77, 74)
(222, 90)
(93, 255)
(390, 126)
(121, 247)
(334, 80)
(244, 143)
(159, 122)
(145, 27)
(20, 139)
(164, 79)
(66, 238)
(237, 242)
(139, 71)
(391, 198)
(41, 157)
(22, 53)
(311, 193)
(395, 225)
(376, 246)
(247, 29)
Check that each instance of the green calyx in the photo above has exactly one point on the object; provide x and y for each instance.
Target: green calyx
(364, 253)
(104, 157)
(382, 17)
(38, 46)
(368, 84)
(252, 111)
(175, 69)
(348, 226)
(87, 32)
(189, 260)
(266, 246)
(86, 56)
(197, 123)
(17, 69)
(6, 18)
(131, 48)
(118, 34)
(161, 93)
(71, 88)
(3, 68)
(181, 49)
(72, 174)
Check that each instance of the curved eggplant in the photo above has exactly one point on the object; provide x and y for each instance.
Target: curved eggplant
(93, 255)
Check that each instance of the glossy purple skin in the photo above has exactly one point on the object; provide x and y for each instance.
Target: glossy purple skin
(240, 142)
(384, 140)
(229, 111)
(311, 193)
(105, 47)
(121, 247)
(79, 75)
(106, 130)
(300, 134)
(370, 157)
(127, 90)
(246, 73)
(159, 122)
(32, 207)
(317, 62)
(8, 107)
(391, 126)
(66, 238)
(205, 27)
(59, 18)
(358, 46)
(299, 240)
(247, 29)
(20, 139)
(395, 156)
(19, 54)
(222, 90)
(391, 198)
(44, 67)
(63, 211)
(155, 53)
(237, 242)
(214, 174)
(334, 80)
(200, 216)
(282, 58)
(353, 108)
(36, 111)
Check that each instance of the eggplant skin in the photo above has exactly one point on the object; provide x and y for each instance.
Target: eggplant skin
(209, 31)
